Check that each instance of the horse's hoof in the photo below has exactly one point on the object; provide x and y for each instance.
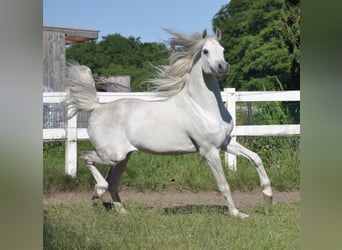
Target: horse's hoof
(238, 214)
(86, 160)
(268, 195)
(242, 215)
(98, 193)
(268, 199)
(119, 208)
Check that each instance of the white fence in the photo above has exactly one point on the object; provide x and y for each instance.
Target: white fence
(71, 133)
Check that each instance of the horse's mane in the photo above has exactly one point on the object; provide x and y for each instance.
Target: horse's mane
(171, 79)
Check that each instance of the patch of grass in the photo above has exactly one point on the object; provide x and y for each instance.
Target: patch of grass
(156, 172)
(82, 226)
(281, 160)
(54, 178)
(145, 171)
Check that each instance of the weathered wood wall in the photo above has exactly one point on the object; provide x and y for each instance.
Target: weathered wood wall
(54, 60)
(54, 41)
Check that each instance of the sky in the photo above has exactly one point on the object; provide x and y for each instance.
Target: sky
(138, 18)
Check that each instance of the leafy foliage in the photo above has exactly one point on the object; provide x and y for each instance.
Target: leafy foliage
(262, 41)
(117, 55)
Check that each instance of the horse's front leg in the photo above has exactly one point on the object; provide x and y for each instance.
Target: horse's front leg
(239, 150)
(213, 158)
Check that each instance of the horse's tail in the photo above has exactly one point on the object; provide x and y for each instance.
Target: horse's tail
(80, 87)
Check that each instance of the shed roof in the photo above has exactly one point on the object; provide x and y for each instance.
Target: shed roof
(74, 35)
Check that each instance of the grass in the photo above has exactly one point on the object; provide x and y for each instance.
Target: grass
(145, 171)
(82, 226)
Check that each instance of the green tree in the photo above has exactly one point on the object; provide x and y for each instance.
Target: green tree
(261, 38)
(86, 53)
(118, 55)
(290, 33)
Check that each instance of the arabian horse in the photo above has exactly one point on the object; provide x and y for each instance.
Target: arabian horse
(189, 117)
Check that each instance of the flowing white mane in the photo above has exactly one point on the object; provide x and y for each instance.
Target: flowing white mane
(172, 78)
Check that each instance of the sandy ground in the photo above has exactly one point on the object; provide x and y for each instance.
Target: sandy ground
(174, 198)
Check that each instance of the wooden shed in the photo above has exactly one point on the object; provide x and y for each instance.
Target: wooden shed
(54, 41)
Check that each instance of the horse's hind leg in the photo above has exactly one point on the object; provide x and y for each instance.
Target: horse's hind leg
(113, 179)
(90, 158)
(239, 150)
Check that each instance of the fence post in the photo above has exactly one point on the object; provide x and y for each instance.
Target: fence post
(250, 122)
(231, 106)
(71, 146)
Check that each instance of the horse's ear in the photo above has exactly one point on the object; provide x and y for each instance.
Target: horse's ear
(204, 33)
(218, 34)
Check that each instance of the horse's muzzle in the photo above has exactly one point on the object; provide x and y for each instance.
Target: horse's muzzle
(223, 68)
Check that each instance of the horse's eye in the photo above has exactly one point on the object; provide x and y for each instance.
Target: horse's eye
(205, 51)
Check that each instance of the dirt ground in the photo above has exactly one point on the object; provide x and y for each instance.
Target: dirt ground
(174, 198)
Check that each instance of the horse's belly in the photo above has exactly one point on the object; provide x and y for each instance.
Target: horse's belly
(162, 141)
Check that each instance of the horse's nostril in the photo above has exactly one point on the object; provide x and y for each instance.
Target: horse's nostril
(222, 67)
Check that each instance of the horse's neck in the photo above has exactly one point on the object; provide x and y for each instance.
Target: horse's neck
(204, 89)
(212, 84)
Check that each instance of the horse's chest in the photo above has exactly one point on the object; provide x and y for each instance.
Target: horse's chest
(217, 134)
(213, 131)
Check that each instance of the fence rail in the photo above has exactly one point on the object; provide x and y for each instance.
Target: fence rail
(71, 133)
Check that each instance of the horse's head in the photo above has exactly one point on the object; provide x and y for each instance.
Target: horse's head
(213, 55)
